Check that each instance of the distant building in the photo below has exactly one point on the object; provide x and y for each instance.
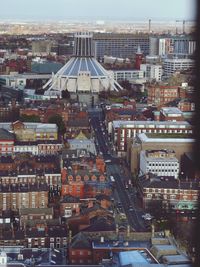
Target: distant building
(152, 72)
(82, 76)
(161, 94)
(120, 45)
(169, 114)
(41, 46)
(128, 75)
(177, 64)
(178, 45)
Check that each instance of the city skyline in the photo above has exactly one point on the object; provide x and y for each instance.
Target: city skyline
(130, 10)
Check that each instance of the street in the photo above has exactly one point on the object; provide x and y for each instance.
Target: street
(133, 214)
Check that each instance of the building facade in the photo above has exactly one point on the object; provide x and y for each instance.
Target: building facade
(171, 66)
(124, 130)
(120, 45)
(159, 162)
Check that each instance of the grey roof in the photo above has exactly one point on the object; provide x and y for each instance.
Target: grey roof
(149, 124)
(39, 127)
(176, 259)
(36, 211)
(80, 241)
(168, 183)
(86, 64)
(5, 135)
(149, 138)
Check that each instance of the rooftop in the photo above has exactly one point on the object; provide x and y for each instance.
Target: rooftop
(152, 124)
(86, 64)
(166, 138)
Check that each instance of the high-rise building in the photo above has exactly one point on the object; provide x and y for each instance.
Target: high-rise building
(184, 45)
(152, 71)
(120, 45)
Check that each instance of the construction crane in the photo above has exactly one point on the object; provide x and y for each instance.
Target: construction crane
(184, 24)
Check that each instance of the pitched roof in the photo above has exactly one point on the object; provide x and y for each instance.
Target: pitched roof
(6, 135)
(80, 241)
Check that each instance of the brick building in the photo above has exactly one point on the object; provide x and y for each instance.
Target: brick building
(6, 142)
(17, 196)
(170, 193)
(180, 144)
(122, 131)
(160, 95)
(169, 114)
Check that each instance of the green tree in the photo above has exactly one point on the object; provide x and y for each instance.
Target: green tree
(29, 118)
(65, 94)
(57, 119)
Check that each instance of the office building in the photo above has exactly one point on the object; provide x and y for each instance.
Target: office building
(177, 64)
(144, 141)
(152, 72)
(160, 162)
(120, 45)
(124, 130)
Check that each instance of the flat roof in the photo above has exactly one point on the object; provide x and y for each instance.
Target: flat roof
(145, 138)
(171, 110)
(174, 259)
(118, 124)
(129, 257)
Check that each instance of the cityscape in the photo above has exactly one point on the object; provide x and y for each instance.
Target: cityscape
(97, 133)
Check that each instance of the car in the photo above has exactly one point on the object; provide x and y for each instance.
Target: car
(147, 216)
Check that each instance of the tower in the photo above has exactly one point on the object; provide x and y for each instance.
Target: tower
(138, 58)
(83, 46)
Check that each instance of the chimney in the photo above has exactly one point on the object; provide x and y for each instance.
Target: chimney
(128, 230)
(70, 236)
(117, 229)
(102, 239)
(90, 204)
(152, 230)
(77, 210)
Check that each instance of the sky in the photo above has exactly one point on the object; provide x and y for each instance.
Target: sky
(96, 9)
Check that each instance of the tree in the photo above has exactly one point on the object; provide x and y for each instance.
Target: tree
(29, 118)
(65, 94)
(57, 119)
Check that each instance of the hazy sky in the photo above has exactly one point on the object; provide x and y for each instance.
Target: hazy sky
(96, 9)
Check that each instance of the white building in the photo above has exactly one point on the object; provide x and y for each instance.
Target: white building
(159, 162)
(26, 148)
(122, 75)
(82, 73)
(3, 258)
(177, 64)
(152, 71)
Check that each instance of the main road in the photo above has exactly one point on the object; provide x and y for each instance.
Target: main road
(113, 168)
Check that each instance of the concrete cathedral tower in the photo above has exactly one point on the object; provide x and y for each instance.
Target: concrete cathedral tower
(82, 75)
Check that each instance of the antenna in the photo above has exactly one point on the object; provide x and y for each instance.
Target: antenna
(149, 25)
